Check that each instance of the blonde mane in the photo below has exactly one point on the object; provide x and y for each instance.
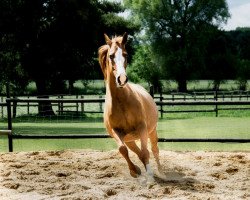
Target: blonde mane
(102, 57)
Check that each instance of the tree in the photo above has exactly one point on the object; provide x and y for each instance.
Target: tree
(10, 67)
(179, 30)
(63, 39)
(220, 60)
(144, 67)
(243, 73)
(57, 40)
(239, 41)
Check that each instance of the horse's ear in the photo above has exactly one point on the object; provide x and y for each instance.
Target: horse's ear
(124, 38)
(108, 41)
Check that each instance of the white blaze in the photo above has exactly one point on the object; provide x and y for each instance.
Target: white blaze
(119, 61)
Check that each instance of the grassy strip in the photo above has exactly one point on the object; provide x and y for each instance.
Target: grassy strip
(198, 127)
(109, 144)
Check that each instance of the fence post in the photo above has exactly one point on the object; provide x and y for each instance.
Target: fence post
(216, 106)
(2, 107)
(10, 138)
(100, 104)
(28, 106)
(161, 109)
(14, 105)
(82, 104)
(77, 105)
(60, 105)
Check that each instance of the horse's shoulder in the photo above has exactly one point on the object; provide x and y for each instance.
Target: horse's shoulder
(141, 91)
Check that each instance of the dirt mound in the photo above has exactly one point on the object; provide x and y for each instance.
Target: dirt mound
(67, 175)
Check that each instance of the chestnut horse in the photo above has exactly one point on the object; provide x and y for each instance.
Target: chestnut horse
(130, 113)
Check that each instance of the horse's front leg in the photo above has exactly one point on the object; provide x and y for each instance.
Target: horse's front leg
(144, 149)
(134, 170)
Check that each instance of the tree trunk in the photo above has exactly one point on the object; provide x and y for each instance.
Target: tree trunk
(242, 84)
(71, 86)
(182, 85)
(44, 108)
(216, 85)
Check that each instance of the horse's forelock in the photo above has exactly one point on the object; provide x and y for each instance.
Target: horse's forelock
(117, 39)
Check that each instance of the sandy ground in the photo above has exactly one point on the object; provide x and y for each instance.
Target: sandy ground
(82, 174)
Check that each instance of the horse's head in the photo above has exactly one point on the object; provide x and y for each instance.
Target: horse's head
(117, 58)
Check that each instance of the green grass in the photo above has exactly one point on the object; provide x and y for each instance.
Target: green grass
(59, 128)
(205, 127)
(196, 127)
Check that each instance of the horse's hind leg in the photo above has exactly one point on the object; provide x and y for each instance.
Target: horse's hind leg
(133, 147)
(142, 154)
(154, 147)
(134, 169)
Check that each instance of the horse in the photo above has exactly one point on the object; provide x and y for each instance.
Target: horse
(130, 113)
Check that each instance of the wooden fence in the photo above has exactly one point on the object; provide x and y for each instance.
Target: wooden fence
(163, 100)
(202, 99)
(62, 107)
(14, 101)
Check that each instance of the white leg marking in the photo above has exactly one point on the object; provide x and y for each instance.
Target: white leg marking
(149, 170)
(150, 177)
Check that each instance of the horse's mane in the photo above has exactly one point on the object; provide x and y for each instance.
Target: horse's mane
(102, 56)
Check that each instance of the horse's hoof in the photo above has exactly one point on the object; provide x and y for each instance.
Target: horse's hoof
(150, 179)
(135, 173)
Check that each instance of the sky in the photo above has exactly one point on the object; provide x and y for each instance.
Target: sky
(240, 14)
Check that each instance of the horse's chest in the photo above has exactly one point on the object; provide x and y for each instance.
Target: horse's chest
(123, 118)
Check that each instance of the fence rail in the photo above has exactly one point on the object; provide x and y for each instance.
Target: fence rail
(10, 102)
(96, 136)
(78, 101)
(161, 103)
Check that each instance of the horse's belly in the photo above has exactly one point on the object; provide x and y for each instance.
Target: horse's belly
(131, 137)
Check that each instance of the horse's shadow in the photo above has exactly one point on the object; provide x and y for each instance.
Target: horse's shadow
(172, 177)
(179, 180)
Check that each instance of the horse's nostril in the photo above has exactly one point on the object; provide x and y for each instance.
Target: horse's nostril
(122, 79)
(119, 82)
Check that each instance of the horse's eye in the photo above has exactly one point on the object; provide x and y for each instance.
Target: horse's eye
(112, 56)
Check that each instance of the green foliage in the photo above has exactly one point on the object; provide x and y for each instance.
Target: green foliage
(239, 44)
(56, 40)
(243, 73)
(144, 67)
(179, 31)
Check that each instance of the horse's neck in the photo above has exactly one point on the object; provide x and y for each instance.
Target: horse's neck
(116, 94)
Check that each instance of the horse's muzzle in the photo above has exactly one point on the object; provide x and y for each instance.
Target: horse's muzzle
(122, 79)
